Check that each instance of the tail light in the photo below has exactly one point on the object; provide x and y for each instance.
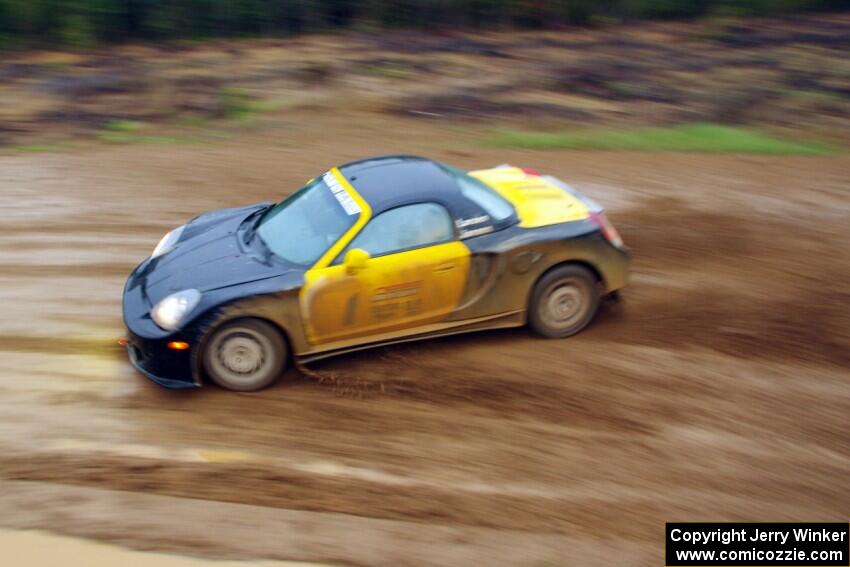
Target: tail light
(607, 229)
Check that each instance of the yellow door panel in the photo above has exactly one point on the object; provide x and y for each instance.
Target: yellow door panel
(537, 202)
(395, 292)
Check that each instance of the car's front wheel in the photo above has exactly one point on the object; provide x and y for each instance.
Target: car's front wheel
(563, 302)
(244, 355)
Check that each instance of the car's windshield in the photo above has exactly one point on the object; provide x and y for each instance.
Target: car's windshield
(302, 227)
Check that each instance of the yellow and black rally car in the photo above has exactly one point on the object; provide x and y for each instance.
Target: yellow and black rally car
(377, 251)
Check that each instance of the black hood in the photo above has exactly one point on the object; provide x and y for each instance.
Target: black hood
(209, 256)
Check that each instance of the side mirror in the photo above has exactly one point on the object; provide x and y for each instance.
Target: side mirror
(355, 260)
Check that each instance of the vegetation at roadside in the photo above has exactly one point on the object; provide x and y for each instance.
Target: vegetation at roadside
(779, 74)
(238, 104)
(136, 132)
(704, 138)
(233, 105)
(83, 23)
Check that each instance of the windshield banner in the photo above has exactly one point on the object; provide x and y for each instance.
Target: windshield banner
(348, 203)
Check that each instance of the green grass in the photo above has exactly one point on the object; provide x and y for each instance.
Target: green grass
(133, 132)
(237, 104)
(128, 126)
(38, 148)
(705, 138)
(121, 131)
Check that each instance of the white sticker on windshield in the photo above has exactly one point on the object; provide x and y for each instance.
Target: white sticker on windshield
(348, 203)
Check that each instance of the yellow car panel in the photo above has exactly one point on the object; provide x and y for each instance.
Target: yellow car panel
(392, 293)
(537, 202)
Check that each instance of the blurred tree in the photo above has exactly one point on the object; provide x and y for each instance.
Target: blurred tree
(82, 22)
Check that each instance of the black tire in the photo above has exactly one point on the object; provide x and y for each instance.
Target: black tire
(244, 355)
(563, 302)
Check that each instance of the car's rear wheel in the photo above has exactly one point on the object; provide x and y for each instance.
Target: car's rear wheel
(245, 355)
(563, 302)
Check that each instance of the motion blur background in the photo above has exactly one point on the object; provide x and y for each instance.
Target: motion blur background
(715, 133)
(84, 22)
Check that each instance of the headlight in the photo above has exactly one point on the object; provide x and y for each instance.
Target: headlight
(166, 244)
(172, 310)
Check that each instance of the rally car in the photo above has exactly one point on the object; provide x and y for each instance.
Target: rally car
(377, 251)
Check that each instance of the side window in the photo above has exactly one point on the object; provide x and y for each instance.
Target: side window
(497, 208)
(412, 226)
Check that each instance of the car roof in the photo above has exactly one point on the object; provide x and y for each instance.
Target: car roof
(387, 182)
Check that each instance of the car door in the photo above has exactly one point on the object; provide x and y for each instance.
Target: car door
(415, 276)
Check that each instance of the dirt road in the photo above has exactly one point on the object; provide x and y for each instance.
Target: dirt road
(718, 390)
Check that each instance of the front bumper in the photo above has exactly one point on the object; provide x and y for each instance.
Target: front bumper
(147, 344)
(136, 361)
(166, 367)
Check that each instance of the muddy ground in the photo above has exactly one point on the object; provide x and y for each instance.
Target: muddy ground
(717, 390)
